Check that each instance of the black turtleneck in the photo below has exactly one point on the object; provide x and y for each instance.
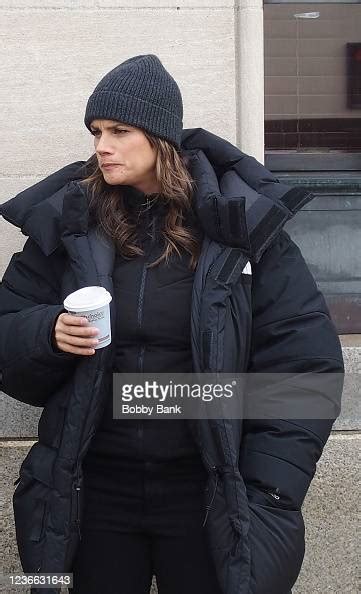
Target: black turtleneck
(152, 208)
(154, 304)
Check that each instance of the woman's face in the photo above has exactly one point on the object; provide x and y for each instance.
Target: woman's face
(129, 150)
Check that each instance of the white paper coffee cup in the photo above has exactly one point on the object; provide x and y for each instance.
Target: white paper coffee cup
(93, 304)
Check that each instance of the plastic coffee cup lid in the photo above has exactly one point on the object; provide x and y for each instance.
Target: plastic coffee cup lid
(87, 299)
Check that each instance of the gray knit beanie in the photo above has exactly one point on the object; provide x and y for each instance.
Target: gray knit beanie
(139, 92)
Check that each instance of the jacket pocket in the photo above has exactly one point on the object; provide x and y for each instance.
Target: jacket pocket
(269, 497)
(75, 523)
(277, 546)
(30, 512)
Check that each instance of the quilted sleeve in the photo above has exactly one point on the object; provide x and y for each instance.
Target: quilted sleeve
(294, 334)
(31, 367)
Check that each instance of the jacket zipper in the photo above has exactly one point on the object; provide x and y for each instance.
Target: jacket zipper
(77, 488)
(141, 358)
(216, 211)
(141, 295)
(140, 302)
(76, 483)
(209, 506)
(275, 494)
(142, 348)
(140, 312)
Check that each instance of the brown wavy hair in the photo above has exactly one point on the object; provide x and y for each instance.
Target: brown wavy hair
(107, 206)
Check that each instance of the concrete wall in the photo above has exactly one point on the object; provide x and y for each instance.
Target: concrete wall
(55, 53)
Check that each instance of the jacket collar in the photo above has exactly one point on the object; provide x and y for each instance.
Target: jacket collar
(238, 201)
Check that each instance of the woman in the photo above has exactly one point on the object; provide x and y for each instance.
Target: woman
(185, 231)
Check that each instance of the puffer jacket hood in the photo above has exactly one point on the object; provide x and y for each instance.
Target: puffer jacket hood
(249, 220)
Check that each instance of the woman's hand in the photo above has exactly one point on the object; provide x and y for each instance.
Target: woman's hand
(72, 334)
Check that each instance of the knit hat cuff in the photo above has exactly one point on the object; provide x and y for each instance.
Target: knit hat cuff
(123, 107)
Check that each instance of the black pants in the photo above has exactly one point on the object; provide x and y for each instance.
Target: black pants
(139, 522)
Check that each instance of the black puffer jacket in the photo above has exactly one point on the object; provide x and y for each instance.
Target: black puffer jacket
(272, 320)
